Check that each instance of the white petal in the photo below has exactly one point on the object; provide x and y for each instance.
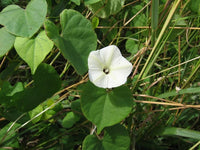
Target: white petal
(98, 78)
(113, 81)
(109, 54)
(120, 69)
(95, 61)
(95, 65)
(122, 65)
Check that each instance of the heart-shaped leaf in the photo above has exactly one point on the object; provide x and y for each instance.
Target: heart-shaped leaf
(115, 138)
(105, 108)
(46, 83)
(76, 40)
(33, 51)
(24, 22)
(105, 8)
(6, 41)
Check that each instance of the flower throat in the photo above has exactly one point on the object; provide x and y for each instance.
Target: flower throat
(106, 70)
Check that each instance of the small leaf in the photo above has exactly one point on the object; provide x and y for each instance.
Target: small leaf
(33, 51)
(140, 19)
(77, 2)
(105, 8)
(131, 46)
(6, 41)
(115, 138)
(87, 2)
(99, 105)
(95, 22)
(24, 22)
(77, 38)
(34, 112)
(70, 119)
(179, 21)
(76, 107)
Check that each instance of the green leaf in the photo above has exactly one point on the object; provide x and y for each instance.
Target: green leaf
(140, 19)
(178, 20)
(87, 2)
(6, 41)
(183, 91)
(77, 39)
(24, 22)
(95, 22)
(105, 8)
(46, 83)
(70, 119)
(173, 131)
(131, 46)
(77, 2)
(7, 101)
(34, 112)
(115, 138)
(7, 91)
(155, 14)
(99, 105)
(195, 6)
(9, 139)
(8, 71)
(33, 51)
(76, 107)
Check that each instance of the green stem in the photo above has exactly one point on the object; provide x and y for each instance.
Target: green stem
(65, 69)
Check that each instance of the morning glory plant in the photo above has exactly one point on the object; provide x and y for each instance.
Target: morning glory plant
(108, 68)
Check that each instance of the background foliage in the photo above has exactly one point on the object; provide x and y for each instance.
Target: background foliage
(46, 100)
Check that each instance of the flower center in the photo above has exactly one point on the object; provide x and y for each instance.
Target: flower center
(106, 70)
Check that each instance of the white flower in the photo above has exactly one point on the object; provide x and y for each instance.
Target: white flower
(108, 68)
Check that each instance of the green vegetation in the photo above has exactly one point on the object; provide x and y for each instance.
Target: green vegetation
(47, 100)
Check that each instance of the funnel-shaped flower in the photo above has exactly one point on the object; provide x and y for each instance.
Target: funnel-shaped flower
(108, 68)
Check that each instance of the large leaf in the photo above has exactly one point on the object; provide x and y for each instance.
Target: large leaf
(115, 138)
(105, 8)
(76, 40)
(7, 100)
(46, 83)
(6, 41)
(8, 71)
(24, 22)
(7, 91)
(33, 51)
(105, 108)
